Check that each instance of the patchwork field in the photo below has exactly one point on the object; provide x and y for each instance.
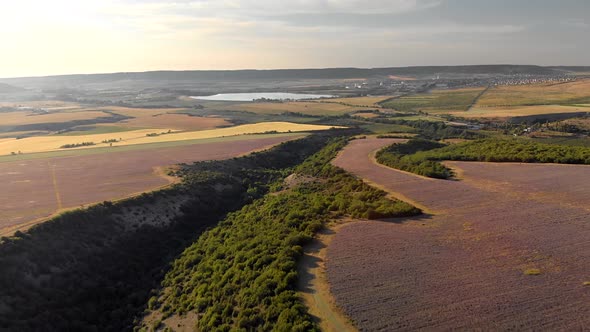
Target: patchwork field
(370, 101)
(176, 121)
(505, 248)
(508, 112)
(436, 101)
(37, 188)
(38, 144)
(28, 117)
(304, 107)
(577, 92)
(164, 118)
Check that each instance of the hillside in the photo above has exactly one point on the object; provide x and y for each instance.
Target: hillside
(5, 88)
(281, 74)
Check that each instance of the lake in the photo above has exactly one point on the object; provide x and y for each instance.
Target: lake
(260, 95)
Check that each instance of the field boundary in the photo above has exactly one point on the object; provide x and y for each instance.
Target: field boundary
(55, 186)
(476, 99)
(313, 285)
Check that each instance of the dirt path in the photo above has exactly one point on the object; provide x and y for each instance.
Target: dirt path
(473, 262)
(313, 284)
(477, 98)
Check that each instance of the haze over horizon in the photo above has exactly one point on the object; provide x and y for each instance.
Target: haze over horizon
(75, 37)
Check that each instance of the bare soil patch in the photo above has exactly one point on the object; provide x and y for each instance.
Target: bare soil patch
(468, 265)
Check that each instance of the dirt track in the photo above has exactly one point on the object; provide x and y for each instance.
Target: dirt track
(37, 188)
(464, 267)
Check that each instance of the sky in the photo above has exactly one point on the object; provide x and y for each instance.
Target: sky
(48, 37)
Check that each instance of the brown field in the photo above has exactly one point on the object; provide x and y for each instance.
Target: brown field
(164, 118)
(176, 122)
(37, 188)
(305, 107)
(551, 93)
(469, 264)
(507, 112)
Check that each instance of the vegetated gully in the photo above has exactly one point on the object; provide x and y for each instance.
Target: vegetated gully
(468, 264)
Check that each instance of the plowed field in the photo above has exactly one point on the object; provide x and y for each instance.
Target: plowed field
(37, 188)
(471, 264)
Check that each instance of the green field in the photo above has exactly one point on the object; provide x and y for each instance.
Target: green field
(438, 101)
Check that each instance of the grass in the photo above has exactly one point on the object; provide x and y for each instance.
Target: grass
(438, 101)
(532, 272)
(52, 143)
(385, 128)
(569, 141)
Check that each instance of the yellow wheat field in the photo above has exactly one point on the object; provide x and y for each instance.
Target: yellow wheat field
(549, 93)
(53, 143)
(507, 112)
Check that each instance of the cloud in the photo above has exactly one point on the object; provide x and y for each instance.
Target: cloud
(273, 7)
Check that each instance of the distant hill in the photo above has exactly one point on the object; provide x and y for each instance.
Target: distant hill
(5, 88)
(280, 74)
(576, 69)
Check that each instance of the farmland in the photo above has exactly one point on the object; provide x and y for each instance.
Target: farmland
(369, 101)
(130, 205)
(164, 118)
(303, 107)
(8, 119)
(436, 101)
(143, 136)
(38, 188)
(467, 265)
(501, 101)
(512, 111)
(568, 93)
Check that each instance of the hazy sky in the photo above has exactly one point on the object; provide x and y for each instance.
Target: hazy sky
(42, 37)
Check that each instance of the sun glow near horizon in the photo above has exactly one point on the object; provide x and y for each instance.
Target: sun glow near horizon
(66, 36)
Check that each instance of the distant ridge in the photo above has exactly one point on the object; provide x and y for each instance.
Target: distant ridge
(188, 77)
(324, 73)
(5, 88)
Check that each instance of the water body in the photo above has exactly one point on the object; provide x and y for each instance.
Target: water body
(260, 95)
